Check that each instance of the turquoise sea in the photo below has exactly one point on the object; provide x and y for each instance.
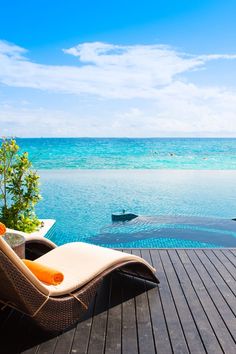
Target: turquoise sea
(183, 190)
(108, 153)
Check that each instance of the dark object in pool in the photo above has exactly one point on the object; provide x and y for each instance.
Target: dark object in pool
(123, 216)
(234, 219)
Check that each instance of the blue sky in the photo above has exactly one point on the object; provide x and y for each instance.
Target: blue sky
(122, 68)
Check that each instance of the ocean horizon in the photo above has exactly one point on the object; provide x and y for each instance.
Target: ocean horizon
(131, 153)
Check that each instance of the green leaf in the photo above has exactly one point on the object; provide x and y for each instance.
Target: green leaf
(19, 188)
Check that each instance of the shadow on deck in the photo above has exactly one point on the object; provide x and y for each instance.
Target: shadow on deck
(193, 310)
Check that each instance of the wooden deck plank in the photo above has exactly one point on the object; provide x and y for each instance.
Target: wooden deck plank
(216, 290)
(190, 330)
(214, 317)
(159, 326)
(64, 342)
(30, 338)
(33, 340)
(145, 335)
(206, 332)
(230, 255)
(82, 332)
(226, 262)
(176, 335)
(129, 325)
(99, 324)
(217, 270)
(48, 346)
(191, 311)
(114, 326)
(222, 278)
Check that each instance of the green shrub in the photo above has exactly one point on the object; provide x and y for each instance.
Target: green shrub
(19, 188)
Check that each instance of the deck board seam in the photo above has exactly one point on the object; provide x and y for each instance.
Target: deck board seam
(177, 312)
(91, 326)
(150, 316)
(217, 286)
(135, 312)
(217, 256)
(176, 308)
(121, 328)
(233, 255)
(199, 299)
(121, 316)
(72, 341)
(136, 322)
(217, 270)
(53, 347)
(213, 302)
(162, 307)
(107, 317)
(146, 297)
(136, 319)
(223, 280)
(187, 301)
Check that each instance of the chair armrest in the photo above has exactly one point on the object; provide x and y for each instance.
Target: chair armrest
(40, 240)
(36, 246)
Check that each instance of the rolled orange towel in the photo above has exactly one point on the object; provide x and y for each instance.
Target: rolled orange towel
(2, 229)
(46, 274)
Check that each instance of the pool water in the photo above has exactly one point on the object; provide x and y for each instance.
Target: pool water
(191, 208)
(169, 231)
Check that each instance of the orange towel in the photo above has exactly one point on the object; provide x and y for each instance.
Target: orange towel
(44, 273)
(2, 229)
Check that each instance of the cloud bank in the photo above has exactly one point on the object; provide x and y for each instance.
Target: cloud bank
(155, 75)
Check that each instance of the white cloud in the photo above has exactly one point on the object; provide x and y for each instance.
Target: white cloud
(180, 118)
(105, 70)
(169, 103)
(36, 122)
(11, 50)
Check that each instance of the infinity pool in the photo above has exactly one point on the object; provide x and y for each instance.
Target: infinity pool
(168, 232)
(176, 208)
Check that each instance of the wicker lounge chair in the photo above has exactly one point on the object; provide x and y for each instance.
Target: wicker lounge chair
(55, 308)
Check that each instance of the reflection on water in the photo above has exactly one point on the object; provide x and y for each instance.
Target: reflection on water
(179, 229)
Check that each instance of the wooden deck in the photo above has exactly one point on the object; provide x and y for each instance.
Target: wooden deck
(193, 310)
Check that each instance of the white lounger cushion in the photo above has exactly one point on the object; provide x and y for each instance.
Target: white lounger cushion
(81, 262)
